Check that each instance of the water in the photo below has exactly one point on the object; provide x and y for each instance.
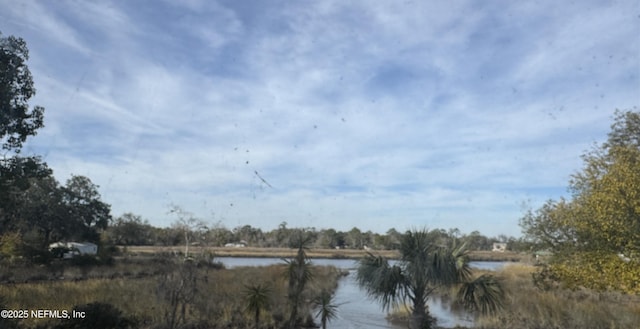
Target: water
(355, 309)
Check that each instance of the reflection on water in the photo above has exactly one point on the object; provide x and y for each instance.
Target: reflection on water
(355, 309)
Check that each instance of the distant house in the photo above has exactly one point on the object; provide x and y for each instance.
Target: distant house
(72, 249)
(499, 247)
(240, 244)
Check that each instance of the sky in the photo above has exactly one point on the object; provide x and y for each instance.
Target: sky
(328, 114)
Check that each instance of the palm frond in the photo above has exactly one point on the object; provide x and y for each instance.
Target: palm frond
(383, 282)
(257, 297)
(327, 310)
(483, 295)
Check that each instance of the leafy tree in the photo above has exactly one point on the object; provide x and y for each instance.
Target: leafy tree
(17, 121)
(130, 229)
(45, 215)
(423, 267)
(327, 239)
(477, 241)
(86, 208)
(355, 238)
(17, 175)
(595, 235)
(42, 211)
(219, 235)
(251, 235)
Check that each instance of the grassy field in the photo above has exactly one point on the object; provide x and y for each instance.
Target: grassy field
(528, 306)
(313, 253)
(137, 289)
(154, 288)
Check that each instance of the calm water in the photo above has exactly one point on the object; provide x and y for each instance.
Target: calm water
(356, 309)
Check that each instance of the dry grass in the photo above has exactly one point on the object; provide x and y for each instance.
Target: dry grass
(218, 303)
(257, 252)
(527, 306)
(507, 256)
(480, 255)
(125, 267)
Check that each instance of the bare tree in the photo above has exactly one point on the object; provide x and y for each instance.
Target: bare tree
(190, 225)
(178, 288)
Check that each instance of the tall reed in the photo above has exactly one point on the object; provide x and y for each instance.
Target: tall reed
(528, 306)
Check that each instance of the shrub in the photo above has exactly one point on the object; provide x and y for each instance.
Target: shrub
(97, 316)
(85, 260)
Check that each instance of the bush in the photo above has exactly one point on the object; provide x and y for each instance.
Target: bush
(85, 260)
(97, 316)
(11, 245)
(6, 323)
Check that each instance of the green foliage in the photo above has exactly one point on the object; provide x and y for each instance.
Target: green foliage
(599, 270)
(298, 275)
(130, 230)
(11, 245)
(44, 212)
(16, 177)
(217, 300)
(483, 295)
(424, 267)
(529, 307)
(595, 236)
(85, 207)
(32, 202)
(327, 310)
(17, 121)
(257, 297)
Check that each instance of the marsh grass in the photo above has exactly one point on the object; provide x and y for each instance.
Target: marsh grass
(125, 267)
(218, 303)
(476, 255)
(528, 306)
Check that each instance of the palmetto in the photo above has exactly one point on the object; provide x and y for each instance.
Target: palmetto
(423, 267)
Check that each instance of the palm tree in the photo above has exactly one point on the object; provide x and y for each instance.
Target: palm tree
(257, 297)
(327, 310)
(423, 267)
(298, 274)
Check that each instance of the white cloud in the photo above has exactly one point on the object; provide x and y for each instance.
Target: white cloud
(357, 114)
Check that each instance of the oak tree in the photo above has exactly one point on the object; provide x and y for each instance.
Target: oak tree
(17, 120)
(595, 235)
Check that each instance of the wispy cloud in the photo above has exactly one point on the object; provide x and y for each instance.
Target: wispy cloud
(355, 114)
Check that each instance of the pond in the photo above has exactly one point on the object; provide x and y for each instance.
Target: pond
(356, 309)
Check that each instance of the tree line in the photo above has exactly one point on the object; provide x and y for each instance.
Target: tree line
(132, 230)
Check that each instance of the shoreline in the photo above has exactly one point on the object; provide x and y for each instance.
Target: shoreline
(478, 256)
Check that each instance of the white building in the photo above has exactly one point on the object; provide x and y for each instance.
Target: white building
(499, 247)
(75, 248)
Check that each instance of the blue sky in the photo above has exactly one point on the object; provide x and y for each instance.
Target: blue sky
(375, 114)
